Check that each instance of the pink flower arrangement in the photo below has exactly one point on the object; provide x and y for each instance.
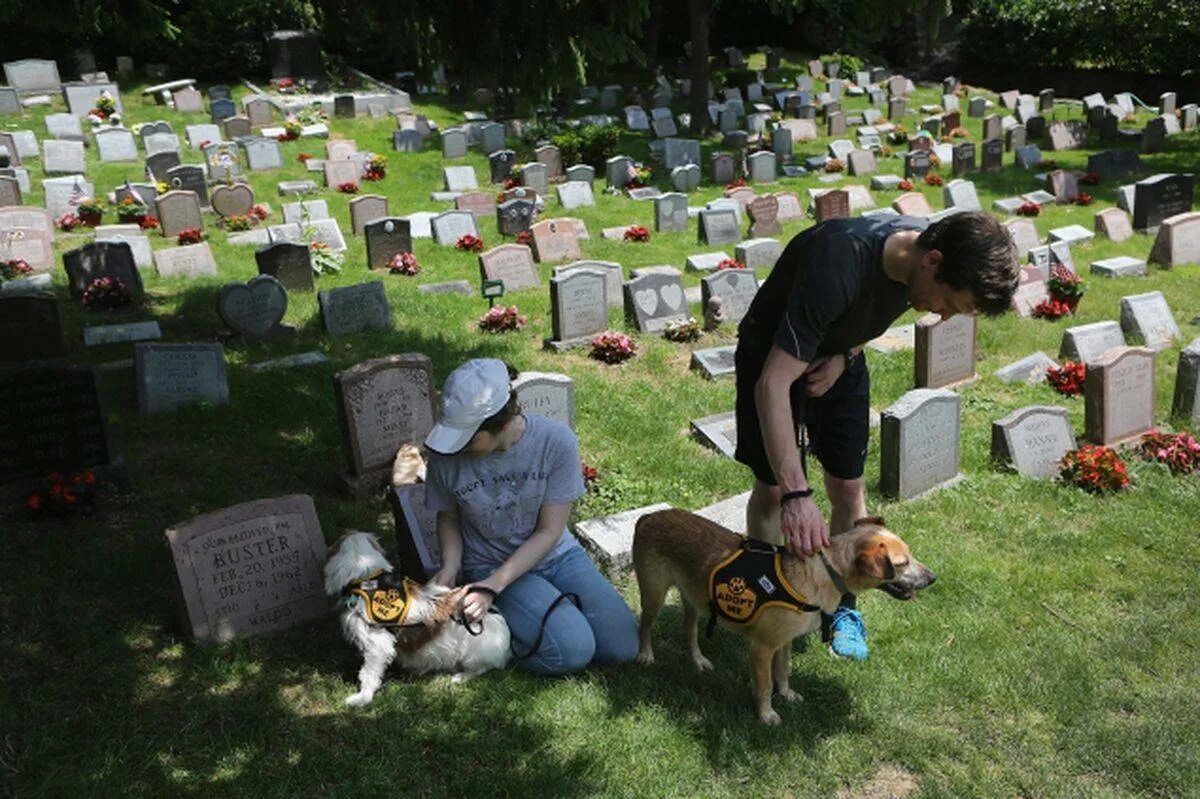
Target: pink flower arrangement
(613, 348)
(14, 269)
(1179, 451)
(105, 294)
(730, 263)
(501, 319)
(404, 263)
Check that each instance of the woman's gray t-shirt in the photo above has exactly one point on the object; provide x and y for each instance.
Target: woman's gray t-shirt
(498, 496)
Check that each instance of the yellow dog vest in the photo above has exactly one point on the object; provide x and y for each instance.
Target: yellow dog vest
(385, 597)
(750, 579)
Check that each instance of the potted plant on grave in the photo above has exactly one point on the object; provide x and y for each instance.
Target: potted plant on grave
(501, 319)
(376, 168)
(63, 495)
(1065, 286)
(89, 211)
(291, 129)
(682, 330)
(325, 261)
(1097, 470)
(106, 294)
(131, 210)
(14, 269)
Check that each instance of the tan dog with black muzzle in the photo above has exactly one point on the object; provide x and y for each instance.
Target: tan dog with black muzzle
(678, 548)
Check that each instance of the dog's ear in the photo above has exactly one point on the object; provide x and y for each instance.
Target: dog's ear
(874, 560)
(876, 521)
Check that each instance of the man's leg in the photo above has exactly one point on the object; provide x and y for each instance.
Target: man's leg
(848, 500)
(762, 513)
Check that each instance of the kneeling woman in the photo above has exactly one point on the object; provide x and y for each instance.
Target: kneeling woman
(502, 483)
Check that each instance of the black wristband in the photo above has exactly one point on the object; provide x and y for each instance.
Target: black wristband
(850, 357)
(795, 495)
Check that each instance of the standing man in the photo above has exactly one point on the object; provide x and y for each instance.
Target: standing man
(799, 361)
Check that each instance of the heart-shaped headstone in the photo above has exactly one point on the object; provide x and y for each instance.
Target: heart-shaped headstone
(253, 308)
(647, 300)
(235, 200)
(672, 295)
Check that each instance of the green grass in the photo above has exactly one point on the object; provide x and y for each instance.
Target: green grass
(1055, 656)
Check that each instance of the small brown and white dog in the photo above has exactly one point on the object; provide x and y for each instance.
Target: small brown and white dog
(678, 548)
(430, 637)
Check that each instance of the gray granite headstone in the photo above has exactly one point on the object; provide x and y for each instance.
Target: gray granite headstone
(116, 144)
(735, 288)
(1086, 343)
(514, 216)
(255, 308)
(547, 394)
(670, 213)
(1030, 369)
(450, 226)
(353, 309)
(718, 431)
(169, 376)
(578, 306)
(1120, 266)
(1186, 402)
(288, 262)
(715, 362)
(1118, 395)
(1146, 319)
(653, 300)
(1033, 439)
(512, 264)
(919, 442)
(719, 226)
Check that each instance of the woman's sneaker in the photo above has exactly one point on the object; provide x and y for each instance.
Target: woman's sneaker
(849, 634)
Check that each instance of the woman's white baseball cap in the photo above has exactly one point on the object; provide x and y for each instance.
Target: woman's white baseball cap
(473, 392)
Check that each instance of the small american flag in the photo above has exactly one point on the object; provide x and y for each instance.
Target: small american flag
(76, 194)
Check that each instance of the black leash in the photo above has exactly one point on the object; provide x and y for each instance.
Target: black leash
(542, 631)
(462, 619)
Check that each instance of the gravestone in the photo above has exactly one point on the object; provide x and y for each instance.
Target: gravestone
(1177, 241)
(101, 259)
(961, 194)
(555, 240)
(221, 109)
(735, 288)
(1113, 224)
(790, 209)
(945, 351)
(1186, 401)
(188, 101)
(861, 162)
(575, 194)
(912, 203)
(62, 157)
(1031, 291)
(460, 178)
(764, 217)
(652, 300)
(189, 177)
(64, 126)
(611, 271)
(407, 141)
(1086, 343)
(833, 204)
(62, 193)
(160, 164)
(547, 394)
(454, 143)
(178, 210)
(31, 327)
(919, 442)
(169, 376)
(1118, 395)
(236, 127)
(512, 264)
(1121, 266)
(232, 199)
(963, 159)
(251, 568)
(677, 152)
(353, 309)
(386, 237)
(1033, 439)
(718, 226)
(578, 307)
(582, 173)
(1030, 369)
(500, 164)
(191, 260)
(262, 154)
(992, 159)
(254, 309)
(533, 176)
(339, 172)
(685, 178)
(1146, 320)
(287, 262)
(491, 136)
(514, 216)
(1069, 135)
(450, 226)
(715, 362)
(305, 211)
(383, 404)
(10, 191)
(1024, 235)
(551, 157)
(758, 253)
(617, 171)
(116, 144)
(916, 164)
(670, 213)
(366, 208)
(1114, 163)
(54, 422)
(160, 142)
(1161, 196)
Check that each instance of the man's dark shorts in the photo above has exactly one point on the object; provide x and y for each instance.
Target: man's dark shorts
(838, 422)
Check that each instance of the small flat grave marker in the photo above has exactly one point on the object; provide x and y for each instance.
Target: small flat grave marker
(169, 376)
(353, 309)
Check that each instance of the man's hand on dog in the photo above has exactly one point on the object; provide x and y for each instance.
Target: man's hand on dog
(475, 604)
(822, 374)
(804, 528)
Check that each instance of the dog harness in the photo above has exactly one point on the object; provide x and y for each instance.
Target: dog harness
(749, 580)
(385, 596)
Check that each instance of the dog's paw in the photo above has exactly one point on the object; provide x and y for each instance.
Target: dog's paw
(462, 677)
(645, 657)
(788, 695)
(360, 699)
(770, 718)
(702, 663)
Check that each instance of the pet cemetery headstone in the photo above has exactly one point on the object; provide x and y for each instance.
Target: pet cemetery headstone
(677, 152)
(188, 101)
(383, 404)
(764, 217)
(578, 307)
(555, 240)
(919, 442)
(719, 226)
(191, 261)
(612, 275)
(234, 199)
(652, 300)
(1186, 401)
(64, 126)
(762, 167)
(1177, 241)
(31, 326)
(1110, 164)
(407, 141)
(491, 136)
(1086, 343)
(352, 309)
(575, 194)
(54, 422)
(963, 159)
(832, 204)
(262, 154)
(169, 376)
(450, 226)
(1146, 319)
(260, 112)
(1033, 439)
(735, 288)
(617, 171)
(366, 208)
(179, 210)
(1161, 196)
(1118, 395)
(251, 568)
(10, 192)
(512, 264)
(63, 157)
(100, 335)
(95, 260)
(254, 309)
(386, 238)
(670, 213)
(289, 263)
(160, 143)
(514, 216)
(945, 350)
(189, 177)
(32, 75)
(718, 432)
(1113, 224)
(551, 157)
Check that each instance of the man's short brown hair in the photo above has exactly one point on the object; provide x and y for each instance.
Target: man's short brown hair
(977, 254)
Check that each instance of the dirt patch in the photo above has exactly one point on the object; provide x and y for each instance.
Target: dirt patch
(888, 782)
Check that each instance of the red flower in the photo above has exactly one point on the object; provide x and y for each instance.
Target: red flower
(637, 233)
(68, 222)
(404, 263)
(1094, 469)
(191, 235)
(288, 135)
(469, 243)
(303, 158)
(1090, 179)
(1068, 378)
(349, 187)
(511, 183)
(1180, 451)
(1083, 198)
(34, 501)
(1051, 309)
(259, 211)
(13, 269)
(730, 263)
(590, 475)
(501, 319)
(148, 222)
(1029, 208)
(525, 237)
(905, 185)
(736, 183)
(933, 180)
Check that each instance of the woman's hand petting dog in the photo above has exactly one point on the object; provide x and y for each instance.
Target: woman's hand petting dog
(475, 604)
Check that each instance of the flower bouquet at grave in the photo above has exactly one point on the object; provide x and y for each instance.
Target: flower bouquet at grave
(89, 211)
(898, 135)
(1090, 179)
(106, 294)
(63, 495)
(834, 165)
(502, 319)
(1051, 309)
(313, 115)
(639, 176)
(324, 260)
(590, 475)
(404, 263)
(469, 243)
(933, 180)
(730, 263)
(1097, 470)
(106, 107)
(304, 158)
(682, 330)
(238, 222)
(131, 209)
(190, 235)
(148, 222)
(259, 211)
(1179, 451)
(513, 181)
(1065, 286)
(613, 348)
(1083, 198)
(349, 187)
(376, 168)
(14, 269)
(67, 222)
(285, 85)
(291, 129)
(905, 185)
(1029, 208)
(736, 183)
(1068, 378)
(525, 237)
(636, 233)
